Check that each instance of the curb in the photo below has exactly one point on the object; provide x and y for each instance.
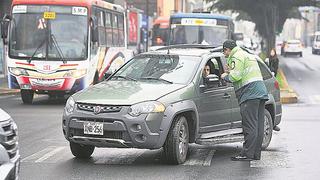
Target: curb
(4, 92)
(287, 94)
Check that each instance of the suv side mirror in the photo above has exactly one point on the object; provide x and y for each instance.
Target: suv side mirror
(94, 30)
(4, 27)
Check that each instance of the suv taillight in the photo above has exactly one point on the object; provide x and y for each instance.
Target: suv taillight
(276, 84)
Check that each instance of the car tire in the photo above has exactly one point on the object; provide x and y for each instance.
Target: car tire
(268, 129)
(81, 151)
(27, 96)
(177, 142)
(301, 54)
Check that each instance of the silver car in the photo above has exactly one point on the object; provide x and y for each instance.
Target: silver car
(9, 153)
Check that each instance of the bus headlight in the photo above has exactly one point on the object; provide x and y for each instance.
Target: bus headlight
(76, 73)
(146, 107)
(70, 106)
(18, 71)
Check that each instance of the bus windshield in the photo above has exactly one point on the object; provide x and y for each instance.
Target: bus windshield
(159, 36)
(64, 36)
(206, 35)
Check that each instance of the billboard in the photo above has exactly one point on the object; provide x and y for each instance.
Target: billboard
(133, 27)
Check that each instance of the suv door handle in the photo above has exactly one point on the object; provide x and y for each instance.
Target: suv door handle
(226, 96)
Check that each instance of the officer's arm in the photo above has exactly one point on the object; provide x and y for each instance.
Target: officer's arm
(236, 70)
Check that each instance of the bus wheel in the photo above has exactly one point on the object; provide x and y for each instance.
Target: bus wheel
(27, 96)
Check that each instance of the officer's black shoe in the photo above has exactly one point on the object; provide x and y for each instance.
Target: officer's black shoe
(276, 128)
(241, 158)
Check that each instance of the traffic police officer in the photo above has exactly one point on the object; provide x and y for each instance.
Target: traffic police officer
(244, 72)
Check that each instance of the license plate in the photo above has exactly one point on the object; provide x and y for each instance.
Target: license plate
(94, 128)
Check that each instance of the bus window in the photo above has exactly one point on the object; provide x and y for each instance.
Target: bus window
(121, 30)
(115, 30)
(160, 31)
(101, 28)
(108, 29)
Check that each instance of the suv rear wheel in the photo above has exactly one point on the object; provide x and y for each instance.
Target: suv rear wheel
(81, 151)
(177, 142)
(268, 128)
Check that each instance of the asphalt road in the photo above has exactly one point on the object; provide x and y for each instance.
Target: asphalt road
(292, 154)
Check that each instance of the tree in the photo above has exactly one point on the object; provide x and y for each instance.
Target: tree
(268, 15)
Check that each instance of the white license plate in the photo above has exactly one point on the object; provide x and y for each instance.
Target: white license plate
(94, 128)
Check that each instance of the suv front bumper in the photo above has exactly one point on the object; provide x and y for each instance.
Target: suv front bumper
(119, 129)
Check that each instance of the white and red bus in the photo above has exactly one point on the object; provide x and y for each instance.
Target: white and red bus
(62, 46)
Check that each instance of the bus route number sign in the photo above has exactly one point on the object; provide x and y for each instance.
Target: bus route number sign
(49, 15)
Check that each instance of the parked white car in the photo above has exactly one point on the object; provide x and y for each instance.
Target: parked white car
(9, 153)
(316, 43)
(293, 47)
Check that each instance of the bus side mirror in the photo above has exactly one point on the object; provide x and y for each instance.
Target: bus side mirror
(4, 28)
(94, 30)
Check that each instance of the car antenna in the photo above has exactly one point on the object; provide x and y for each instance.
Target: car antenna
(169, 38)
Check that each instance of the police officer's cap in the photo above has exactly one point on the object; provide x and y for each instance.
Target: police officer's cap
(229, 44)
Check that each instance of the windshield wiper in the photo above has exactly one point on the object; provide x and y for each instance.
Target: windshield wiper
(55, 43)
(124, 77)
(34, 53)
(157, 79)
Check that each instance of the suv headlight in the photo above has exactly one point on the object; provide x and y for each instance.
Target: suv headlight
(70, 105)
(75, 73)
(18, 71)
(146, 107)
(14, 127)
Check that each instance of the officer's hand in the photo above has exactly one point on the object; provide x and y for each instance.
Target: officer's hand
(223, 75)
(227, 68)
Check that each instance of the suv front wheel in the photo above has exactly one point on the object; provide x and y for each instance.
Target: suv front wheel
(81, 151)
(268, 128)
(177, 142)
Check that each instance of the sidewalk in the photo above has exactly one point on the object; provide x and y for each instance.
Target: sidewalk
(4, 90)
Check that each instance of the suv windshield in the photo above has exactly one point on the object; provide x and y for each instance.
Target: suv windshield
(33, 37)
(160, 68)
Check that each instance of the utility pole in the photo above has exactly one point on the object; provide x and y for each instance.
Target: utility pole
(147, 13)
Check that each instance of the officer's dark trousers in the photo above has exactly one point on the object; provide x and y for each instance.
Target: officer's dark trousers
(252, 112)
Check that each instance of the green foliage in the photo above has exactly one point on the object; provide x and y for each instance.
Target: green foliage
(268, 15)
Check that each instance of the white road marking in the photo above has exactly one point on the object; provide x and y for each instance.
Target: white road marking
(39, 154)
(207, 161)
(200, 157)
(114, 156)
(49, 154)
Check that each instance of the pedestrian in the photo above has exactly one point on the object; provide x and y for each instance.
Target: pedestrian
(273, 61)
(244, 72)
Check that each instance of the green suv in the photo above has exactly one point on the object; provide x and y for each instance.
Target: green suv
(161, 99)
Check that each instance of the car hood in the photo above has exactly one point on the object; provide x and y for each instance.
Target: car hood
(3, 115)
(124, 92)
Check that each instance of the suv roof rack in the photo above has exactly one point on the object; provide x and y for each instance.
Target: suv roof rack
(186, 46)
